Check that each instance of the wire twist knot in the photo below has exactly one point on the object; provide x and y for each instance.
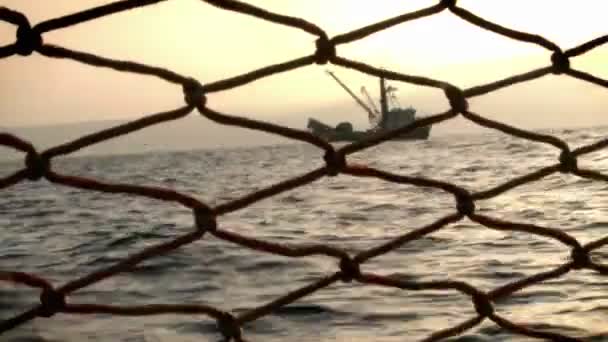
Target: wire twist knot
(28, 39)
(326, 50)
(335, 162)
(37, 166)
(229, 327)
(52, 302)
(580, 258)
(349, 269)
(204, 219)
(567, 162)
(457, 100)
(561, 62)
(465, 203)
(483, 305)
(448, 3)
(194, 95)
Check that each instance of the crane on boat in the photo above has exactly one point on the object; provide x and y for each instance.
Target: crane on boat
(374, 121)
(374, 115)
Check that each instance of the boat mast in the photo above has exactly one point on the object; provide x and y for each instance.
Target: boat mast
(383, 102)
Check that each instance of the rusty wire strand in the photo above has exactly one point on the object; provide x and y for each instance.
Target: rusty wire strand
(490, 87)
(13, 179)
(25, 279)
(8, 50)
(38, 165)
(247, 9)
(16, 143)
(92, 13)
(583, 76)
(587, 46)
(363, 32)
(507, 32)
(455, 330)
(126, 66)
(117, 131)
(255, 75)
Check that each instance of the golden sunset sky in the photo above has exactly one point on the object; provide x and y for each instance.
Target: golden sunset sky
(197, 39)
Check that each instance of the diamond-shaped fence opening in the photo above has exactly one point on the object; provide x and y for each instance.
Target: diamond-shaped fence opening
(350, 267)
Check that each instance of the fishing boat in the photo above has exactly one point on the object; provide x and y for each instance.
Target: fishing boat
(383, 120)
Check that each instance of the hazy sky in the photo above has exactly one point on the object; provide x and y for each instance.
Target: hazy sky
(194, 38)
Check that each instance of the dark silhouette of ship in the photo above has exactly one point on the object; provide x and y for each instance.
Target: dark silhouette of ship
(386, 119)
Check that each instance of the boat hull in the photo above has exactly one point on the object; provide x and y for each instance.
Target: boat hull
(331, 134)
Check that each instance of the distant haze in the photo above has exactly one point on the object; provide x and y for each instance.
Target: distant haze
(199, 40)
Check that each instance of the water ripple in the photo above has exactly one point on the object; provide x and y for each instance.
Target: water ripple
(65, 233)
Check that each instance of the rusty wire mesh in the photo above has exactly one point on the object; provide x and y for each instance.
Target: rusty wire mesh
(38, 165)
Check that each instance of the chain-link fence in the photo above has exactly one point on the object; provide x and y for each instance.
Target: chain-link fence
(38, 165)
